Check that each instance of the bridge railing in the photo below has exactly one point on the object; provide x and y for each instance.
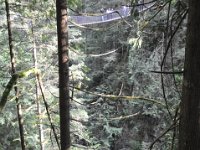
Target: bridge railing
(110, 15)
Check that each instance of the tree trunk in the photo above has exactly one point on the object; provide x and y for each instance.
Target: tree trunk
(189, 131)
(39, 111)
(12, 60)
(61, 10)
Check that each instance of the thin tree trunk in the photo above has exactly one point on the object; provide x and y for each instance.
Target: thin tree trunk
(64, 99)
(189, 130)
(12, 57)
(40, 127)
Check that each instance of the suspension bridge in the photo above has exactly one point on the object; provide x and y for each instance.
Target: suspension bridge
(110, 15)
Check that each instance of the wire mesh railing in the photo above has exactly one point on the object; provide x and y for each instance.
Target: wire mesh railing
(109, 15)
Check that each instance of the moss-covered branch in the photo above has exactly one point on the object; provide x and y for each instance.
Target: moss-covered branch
(12, 82)
(115, 97)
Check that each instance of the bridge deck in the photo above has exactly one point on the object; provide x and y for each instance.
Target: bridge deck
(110, 15)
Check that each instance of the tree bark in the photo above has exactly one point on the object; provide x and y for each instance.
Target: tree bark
(61, 10)
(12, 59)
(189, 130)
(39, 111)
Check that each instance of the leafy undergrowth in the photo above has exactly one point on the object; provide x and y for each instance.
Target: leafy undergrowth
(118, 61)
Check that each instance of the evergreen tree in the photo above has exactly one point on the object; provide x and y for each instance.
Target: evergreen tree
(190, 105)
(61, 10)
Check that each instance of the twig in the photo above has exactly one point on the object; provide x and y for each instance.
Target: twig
(122, 18)
(174, 121)
(81, 146)
(172, 60)
(47, 109)
(158, 11)
(121, 89)
(115, 97)
(164, 58)
(161, 67)
(172, 36)
(168, 72)
(35, 62)
(158, 138)
(77, 101)
(72, 75)
(163, 86)
(70, 98)
(135, 5)
(124, 117)
(80, 121)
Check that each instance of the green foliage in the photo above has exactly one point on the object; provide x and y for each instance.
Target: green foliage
(136, 144)
(13, 81)
(42, 15)
(136, 42)
(7, 91)
(112, 130)
(123, 72)
(74, 3)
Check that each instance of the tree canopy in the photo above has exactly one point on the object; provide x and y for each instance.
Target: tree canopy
(107, 85)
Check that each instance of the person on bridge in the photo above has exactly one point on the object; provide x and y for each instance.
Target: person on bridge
(109, 12)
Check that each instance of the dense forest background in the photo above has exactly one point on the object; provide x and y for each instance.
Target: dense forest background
(119, 98)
